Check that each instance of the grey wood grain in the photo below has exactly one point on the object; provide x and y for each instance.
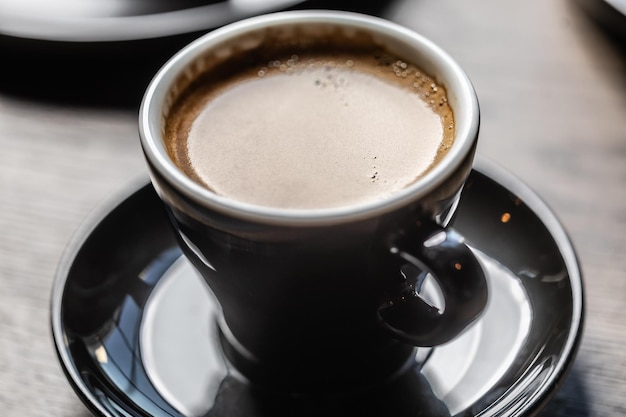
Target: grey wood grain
(552, 88)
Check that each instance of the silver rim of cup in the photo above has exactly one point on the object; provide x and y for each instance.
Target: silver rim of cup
(433, 60)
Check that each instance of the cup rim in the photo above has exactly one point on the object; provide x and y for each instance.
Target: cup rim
(151, 110)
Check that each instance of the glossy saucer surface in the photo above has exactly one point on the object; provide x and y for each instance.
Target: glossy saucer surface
(136, 329)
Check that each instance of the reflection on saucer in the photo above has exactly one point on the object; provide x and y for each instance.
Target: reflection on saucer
(185, 364)
(179, 341)
(464, 369)
(183, 358)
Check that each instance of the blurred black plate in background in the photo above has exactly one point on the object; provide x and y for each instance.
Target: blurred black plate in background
(123, 20)
(611, 14)
(105, 52)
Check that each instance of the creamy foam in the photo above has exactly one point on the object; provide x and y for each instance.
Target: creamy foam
(313, 132)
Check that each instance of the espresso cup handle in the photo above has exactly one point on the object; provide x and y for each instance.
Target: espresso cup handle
(444, 254)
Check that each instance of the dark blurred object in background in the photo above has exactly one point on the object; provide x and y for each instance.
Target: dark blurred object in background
(105, 53)
(610, 14)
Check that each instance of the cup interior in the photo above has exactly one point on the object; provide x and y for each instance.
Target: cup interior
(305, 26)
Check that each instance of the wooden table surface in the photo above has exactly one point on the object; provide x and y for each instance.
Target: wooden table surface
(552, 88)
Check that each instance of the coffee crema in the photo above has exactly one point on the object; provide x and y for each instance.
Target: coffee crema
(310, 129)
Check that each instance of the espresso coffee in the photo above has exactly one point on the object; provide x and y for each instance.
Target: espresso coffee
(321, 126)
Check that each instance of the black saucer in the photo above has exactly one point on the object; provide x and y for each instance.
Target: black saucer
(135, 328)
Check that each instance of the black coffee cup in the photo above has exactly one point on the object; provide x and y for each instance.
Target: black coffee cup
(313, 299)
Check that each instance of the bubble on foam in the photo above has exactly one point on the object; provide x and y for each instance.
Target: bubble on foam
(292, 61)
(223, 52)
